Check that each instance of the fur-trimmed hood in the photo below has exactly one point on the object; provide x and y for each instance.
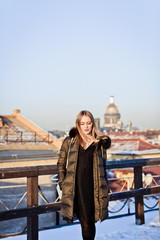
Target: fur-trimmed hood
(103, 140)
(73, 132)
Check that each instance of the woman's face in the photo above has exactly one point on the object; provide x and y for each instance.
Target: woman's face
(86, 125)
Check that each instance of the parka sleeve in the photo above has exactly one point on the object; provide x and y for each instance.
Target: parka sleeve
(61, 164)
(105, 142)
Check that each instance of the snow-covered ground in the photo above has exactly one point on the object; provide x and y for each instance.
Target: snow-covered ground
(113, 228)
(110, 229)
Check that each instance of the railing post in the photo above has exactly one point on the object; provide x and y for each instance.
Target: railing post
(128, 188)
(139, 206)
(32, 200)
(57, 218)
(57, 213)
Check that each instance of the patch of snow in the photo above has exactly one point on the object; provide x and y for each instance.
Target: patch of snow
(110, 229)
(155, 223)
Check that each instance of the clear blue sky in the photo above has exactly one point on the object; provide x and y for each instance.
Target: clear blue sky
(60, 57)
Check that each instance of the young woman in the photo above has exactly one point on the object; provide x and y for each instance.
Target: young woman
(84, 184)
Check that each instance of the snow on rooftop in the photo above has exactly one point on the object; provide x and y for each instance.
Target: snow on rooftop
(126, 145)
(110, 229)
(132, 146)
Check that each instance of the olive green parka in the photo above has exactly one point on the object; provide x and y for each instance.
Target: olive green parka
(67, 177)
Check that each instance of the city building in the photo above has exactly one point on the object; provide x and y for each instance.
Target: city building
(112, 117)
(97, 123)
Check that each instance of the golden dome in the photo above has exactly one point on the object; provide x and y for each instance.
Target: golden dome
(112, 115)
(112, 109)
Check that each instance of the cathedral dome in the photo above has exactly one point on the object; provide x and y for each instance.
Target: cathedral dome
(112, 115)
(112, 109)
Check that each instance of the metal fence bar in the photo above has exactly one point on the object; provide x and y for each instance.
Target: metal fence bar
(22, 136)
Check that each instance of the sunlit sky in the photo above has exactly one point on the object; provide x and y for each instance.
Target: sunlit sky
(60, 57)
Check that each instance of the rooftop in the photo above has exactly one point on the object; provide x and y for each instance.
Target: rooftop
(132, 146)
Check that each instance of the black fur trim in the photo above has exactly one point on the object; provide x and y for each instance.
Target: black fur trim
(73, 132)
(106, 142)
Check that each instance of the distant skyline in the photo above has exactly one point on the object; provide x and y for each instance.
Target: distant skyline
(60, 57)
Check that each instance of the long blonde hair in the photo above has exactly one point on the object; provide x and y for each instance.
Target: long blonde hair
(80, 137)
